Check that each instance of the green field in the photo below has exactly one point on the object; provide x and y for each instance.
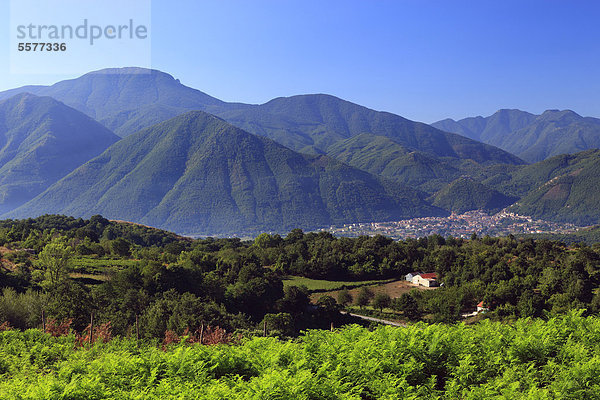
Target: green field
(320, 285)
(528, 359)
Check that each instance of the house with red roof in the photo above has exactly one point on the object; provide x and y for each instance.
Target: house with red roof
(428, 279)
(481, 307)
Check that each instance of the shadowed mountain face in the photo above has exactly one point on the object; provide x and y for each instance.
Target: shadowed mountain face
(198, 174)
(42, 140)
(531, 137)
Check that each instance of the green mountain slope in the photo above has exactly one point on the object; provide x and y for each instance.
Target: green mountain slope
(531, 137)
(562, 188)
(42, 140)
(465, 194)
(553, 133)
(197, 174)
(380, 155)
(524, 179)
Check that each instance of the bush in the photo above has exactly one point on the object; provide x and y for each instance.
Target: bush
(530, 358)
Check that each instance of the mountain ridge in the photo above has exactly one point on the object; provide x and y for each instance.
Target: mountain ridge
(532, 137)
(306, 123)
(102, 93)
(41, 140)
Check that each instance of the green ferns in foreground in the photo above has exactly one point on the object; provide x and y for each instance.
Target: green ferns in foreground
(532, 359)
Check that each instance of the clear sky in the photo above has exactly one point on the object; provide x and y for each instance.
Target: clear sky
(425, 60)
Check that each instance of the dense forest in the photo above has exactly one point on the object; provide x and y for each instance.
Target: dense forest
(71, 268)
(513, 277)
(122, 273)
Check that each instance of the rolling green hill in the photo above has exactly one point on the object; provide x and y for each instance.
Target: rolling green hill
(531, 137)
(42, 140)
(465, 194)
(197, 174)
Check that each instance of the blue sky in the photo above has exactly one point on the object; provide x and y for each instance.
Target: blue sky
(424, 60)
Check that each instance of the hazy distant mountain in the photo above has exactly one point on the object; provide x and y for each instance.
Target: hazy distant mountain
(129, 99)
(127, 122)
(533, 138)
(490, 129)
(106, 94)
(198, 174)
(42, 140)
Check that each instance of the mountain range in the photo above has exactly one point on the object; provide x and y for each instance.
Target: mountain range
(191, 163)
(129, 99)
(531, 137)
(313, 123)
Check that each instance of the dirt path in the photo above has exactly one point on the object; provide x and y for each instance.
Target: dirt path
(373, 319)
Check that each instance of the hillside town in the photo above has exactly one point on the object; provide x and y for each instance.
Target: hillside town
(457, 225)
